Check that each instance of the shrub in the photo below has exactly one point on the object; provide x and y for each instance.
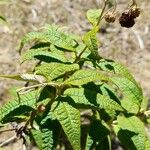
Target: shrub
(75, 98)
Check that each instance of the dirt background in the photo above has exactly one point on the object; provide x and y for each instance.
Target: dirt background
(129, 46)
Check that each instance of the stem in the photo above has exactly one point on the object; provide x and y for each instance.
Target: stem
(100, 17)
(30, 120)
(133, 3)
(113, 11)
(78, 57)
(115, 7)
(34, 86)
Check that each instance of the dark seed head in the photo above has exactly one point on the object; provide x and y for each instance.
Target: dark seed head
(126, 19)
(127, 23)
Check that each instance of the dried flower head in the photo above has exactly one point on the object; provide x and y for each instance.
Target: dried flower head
(41, 108)
(110, 17)
(135, 11)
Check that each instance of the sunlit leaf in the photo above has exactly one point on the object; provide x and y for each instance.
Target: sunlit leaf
(91, 42)
(90, 98)
(54, 70)
(93, 16)
(116, 68)
(132, 94)
(131, 132)
(52, 35)
(14, 108)
(69, 118)
(81, 77)
(25, 77)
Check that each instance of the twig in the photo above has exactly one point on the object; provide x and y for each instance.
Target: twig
(1, 131)
(100, 17)
(24, 147)
(133, 2)
(8, 141)
(141, 43)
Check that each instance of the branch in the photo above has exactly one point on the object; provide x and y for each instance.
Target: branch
(13, 138)
(1, 131)
(99, 19)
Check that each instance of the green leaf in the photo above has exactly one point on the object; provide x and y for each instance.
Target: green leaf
(34, 36)
(90, 98)
(69, 118)
(147, 144)
(144, 104)
(44, 54)
(14, 108)
(107, 90)
(47, 138)
(60, 55)
(93, 16)
(47, 117)
(132, 94)
(33, 52)
(47, 134)
(54, 70)
(25, 77)
(52, 35)
(81, 77)
(37, 136)
(86, 53)
(89, 143)
(97, 134)
(91, 42)
(98, 130)
(131, 132)
(43, 138)
(132, 91)
(16, 77)
(116, 68)
(60, 38)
